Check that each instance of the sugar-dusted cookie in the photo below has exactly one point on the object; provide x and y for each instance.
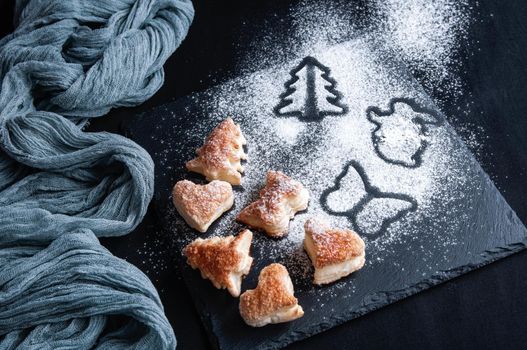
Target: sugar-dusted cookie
(220, 156)
(222, 260)
(280, 199)
(200, 205)
(272, 301)
(334, 252)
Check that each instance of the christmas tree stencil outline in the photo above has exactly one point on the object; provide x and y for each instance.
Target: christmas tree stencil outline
(311, 93)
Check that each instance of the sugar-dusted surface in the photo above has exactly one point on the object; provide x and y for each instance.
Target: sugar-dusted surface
(425, 34)
(459, 223)
(316, 153)
(428, 36)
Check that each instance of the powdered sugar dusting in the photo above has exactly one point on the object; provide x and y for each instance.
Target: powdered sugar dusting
(430, 37)
(370, 219)
(426, 33)
(315, 153)
(289, 129)
(370, 68)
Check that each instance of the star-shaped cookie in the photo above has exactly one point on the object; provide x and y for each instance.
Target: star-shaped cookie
(220, 156)
(280, 199)
(222, 260)
(334, 252)
(200, 205)
(272, 301)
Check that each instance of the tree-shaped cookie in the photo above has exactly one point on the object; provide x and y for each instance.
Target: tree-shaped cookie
(222, 260)
(311, 93)
(220, 156)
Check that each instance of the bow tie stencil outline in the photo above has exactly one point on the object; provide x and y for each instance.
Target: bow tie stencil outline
(391, 206)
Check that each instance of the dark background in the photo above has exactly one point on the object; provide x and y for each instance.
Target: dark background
(485, 309)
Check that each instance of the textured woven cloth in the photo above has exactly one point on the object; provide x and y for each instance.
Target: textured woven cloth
(61, 187)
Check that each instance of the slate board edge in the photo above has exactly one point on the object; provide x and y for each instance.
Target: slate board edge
(384, 299)
(371, 302)
(206, 320)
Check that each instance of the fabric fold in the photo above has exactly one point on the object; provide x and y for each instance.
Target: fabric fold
(61, 187)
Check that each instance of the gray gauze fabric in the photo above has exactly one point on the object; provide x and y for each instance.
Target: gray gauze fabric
(61, 188)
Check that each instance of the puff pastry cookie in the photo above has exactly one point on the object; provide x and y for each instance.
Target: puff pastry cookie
(272, 301)
(200, 205)
(222, 260)
(334, 252)
(220, 157)
(280, 199)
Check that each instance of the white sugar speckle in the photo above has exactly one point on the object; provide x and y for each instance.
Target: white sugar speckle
(289, 129)
(363, 57)
(316, 153)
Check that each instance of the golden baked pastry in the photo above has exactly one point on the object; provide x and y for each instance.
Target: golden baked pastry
(222, 260)
(280, 199)
(200, 205)
(272, 301)
(334, 252)
(220, 157)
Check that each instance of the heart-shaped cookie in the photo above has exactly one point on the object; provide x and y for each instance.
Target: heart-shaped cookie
(200, 205)
(272, 301)
(334, 252)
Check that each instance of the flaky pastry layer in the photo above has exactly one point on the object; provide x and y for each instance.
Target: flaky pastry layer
(272, 301)
(222, 260)
(200, 205)
(280, 199)
(334, 252)
(220, 156)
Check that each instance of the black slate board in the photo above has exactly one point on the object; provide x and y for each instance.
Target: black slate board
(475, 226)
